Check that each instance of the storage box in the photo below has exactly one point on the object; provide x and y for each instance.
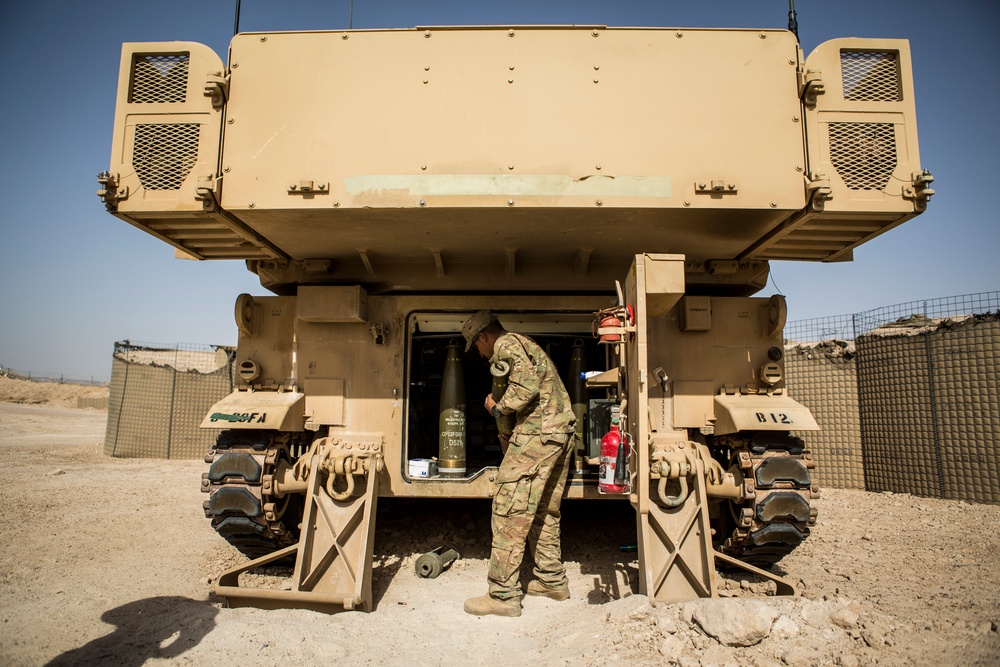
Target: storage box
(423, 468)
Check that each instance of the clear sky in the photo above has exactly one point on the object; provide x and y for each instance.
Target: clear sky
(75, 279)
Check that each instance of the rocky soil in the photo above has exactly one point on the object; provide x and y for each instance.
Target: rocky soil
(110, 561)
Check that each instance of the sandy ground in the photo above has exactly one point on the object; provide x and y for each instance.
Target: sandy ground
(110, 561)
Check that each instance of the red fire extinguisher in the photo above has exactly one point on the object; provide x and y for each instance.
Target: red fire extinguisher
(614, 456)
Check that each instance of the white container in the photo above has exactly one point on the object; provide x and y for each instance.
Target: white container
(423, 468)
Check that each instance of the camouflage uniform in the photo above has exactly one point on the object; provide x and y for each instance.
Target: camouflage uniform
(533, 473)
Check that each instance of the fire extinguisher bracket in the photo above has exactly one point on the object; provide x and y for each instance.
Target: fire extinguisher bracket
(612, 325)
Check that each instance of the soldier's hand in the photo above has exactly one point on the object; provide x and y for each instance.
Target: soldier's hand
(489, 403)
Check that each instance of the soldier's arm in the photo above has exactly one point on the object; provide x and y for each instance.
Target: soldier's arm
(522, 385)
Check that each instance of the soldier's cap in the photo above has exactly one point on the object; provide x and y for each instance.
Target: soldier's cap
(475, 325)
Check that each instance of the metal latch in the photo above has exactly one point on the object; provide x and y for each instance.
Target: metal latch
(206, 191)
(111, 193)
(716, 187)
(818, 190)
(308, 187)
(810, 86)
(217, 87)
(919, 189)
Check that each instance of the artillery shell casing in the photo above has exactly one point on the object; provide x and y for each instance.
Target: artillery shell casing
(451, 422)
(576, 387)
(500, 370)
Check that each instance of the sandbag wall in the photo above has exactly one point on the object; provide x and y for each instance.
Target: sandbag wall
(159, 396)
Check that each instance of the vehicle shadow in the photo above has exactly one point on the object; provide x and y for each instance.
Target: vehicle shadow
(161, 627)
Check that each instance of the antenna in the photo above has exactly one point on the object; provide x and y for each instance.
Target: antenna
(350, 24)
(793, 24)
(236, 27)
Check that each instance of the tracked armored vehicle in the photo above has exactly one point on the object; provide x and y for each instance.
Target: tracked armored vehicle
(616, 194)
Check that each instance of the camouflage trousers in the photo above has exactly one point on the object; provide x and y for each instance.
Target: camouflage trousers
(530, 486)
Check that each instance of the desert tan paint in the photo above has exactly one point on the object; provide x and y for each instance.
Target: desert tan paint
(378, 179)
(601, 143)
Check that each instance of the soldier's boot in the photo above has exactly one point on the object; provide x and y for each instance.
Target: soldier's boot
(537, 588)
(485, 605)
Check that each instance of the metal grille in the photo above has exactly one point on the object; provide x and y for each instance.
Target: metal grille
(870, 76)
(159, 395)
(864, 154)
(159, 78)
(163, 155)
(924, 417)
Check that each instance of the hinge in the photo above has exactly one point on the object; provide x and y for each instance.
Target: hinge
(111, 192)
(811, 85)
(217, 87)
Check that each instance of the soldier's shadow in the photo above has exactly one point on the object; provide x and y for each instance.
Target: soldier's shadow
(601, 536)
(160, 627)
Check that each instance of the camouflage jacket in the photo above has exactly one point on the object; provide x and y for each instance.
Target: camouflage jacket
(534, 390)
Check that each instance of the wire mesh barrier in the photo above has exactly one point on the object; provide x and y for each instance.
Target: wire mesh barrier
(907, 396)
(160, 394)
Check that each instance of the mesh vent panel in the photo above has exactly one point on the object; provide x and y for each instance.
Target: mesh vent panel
(870, 76)
(864, 154)
(159, 78)
(163, 155)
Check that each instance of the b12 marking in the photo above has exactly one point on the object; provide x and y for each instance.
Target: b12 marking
(779, 418)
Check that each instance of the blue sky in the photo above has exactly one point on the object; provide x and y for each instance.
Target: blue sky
(76, 279)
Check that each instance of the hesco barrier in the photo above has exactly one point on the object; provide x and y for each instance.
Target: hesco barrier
(823, 376)
(907, 396)
(159, 394)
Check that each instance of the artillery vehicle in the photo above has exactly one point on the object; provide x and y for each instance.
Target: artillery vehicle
(616, 194)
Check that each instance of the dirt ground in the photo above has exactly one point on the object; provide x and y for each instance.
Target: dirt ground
(110, 561)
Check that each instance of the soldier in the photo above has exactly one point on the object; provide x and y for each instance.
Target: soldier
(532, 476)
